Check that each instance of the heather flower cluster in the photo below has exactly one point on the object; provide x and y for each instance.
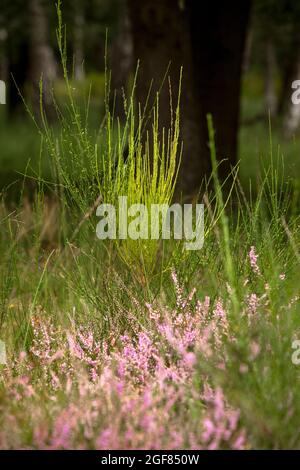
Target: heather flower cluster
(253, 257)
(140, 391)
(146, 388)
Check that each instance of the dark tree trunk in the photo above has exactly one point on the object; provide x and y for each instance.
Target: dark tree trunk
(208, 41)
(291, 115)
(121, 60)
(248, 49)
(14, 59)
(290, 112)
(78, 38)
(3, 50)
(218, 41)
(18, 64)
(42, 61)
(290, 69)
(270, 71)
(162, 43)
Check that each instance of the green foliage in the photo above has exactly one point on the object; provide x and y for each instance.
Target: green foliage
(53, 267)
(92, 167)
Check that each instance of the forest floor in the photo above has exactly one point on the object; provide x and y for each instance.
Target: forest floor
(123, 346)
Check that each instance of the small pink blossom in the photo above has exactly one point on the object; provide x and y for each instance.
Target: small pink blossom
(253, 261)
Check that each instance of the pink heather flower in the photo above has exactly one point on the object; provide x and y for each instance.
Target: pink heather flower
(104, 441)
(255, 350)
(219, 310)
(179, 292)
(239, 443)
(154, 315)
(75, 349)
(253, 261)
(244, 368)
(189, 359)
(208, 429)
(252, 303)
(218, 404)
(62, 431)
(22, 356)
(134, 393)
(220, 322)
(147, 398)
(221, 423)
(40, 436)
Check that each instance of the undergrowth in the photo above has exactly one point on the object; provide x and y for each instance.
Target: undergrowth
(143, 344)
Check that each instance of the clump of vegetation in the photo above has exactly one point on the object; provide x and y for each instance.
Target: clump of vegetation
(141, 344)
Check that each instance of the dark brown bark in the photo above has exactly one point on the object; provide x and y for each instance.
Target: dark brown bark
(3, 50)
(208, 41)
(270, 71)
(121, 60)
(18, 64)
(162, 43)
(218, 41)
(248, 49)
(291, 115)
(14, 60)
(78, 38)
(290, 112)
(290, 70)
(42, 61)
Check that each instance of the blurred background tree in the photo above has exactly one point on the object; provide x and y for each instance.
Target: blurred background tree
(239, 61)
